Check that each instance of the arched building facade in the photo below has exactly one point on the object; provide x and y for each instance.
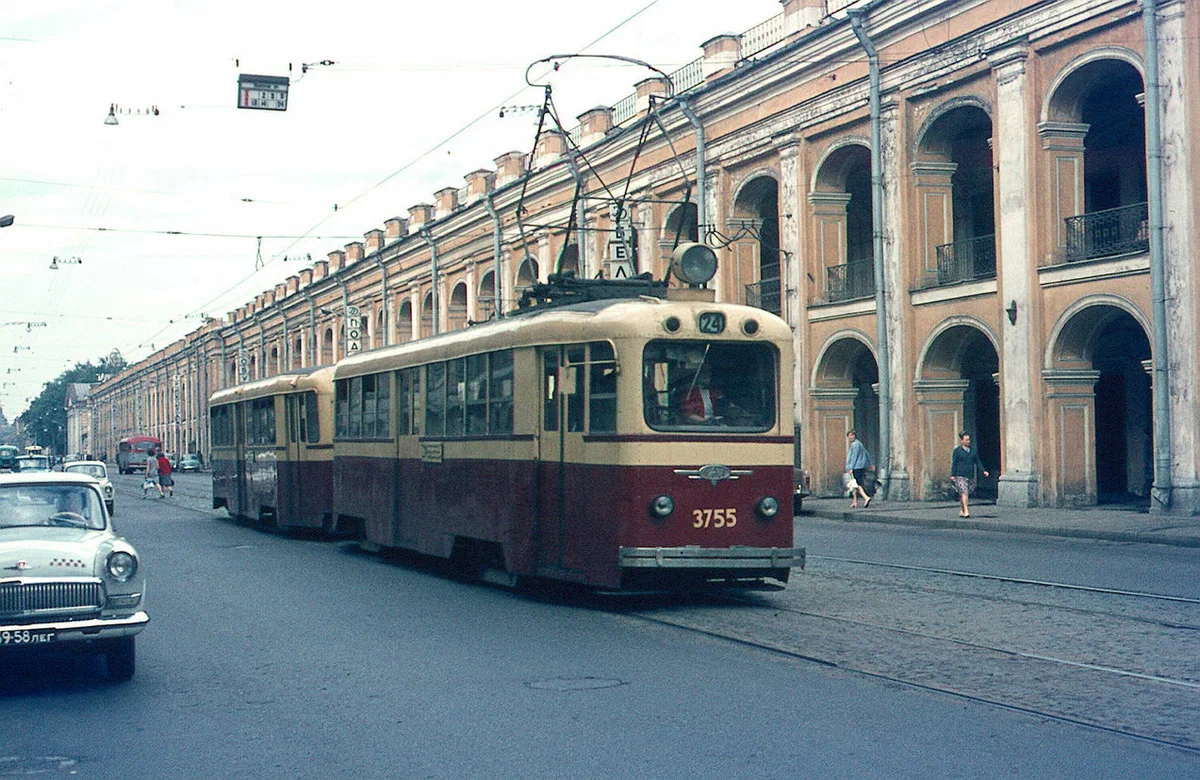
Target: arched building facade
(1015, 196)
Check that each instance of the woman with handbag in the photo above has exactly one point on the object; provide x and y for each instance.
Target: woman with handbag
(858, 462)
(964, 466)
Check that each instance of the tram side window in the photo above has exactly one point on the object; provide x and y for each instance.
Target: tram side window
(602, 388)
(222, 427)
(312, 419)
(456, 394)
(573, 386)
(500, 411)
(356, 402)
(260, 421)
(477, 395)
(435, 399)
(408, 385)
(342, 414)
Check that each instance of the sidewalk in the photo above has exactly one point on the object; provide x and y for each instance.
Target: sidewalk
(1116, 523)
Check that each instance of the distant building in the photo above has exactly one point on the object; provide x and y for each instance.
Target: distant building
(79, 419)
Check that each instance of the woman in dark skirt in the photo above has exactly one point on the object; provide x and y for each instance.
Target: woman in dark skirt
(964, 465)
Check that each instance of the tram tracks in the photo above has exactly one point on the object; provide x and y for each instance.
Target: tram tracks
(1101, 670)
(1181, 744)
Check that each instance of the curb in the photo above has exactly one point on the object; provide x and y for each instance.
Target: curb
(1141, 537)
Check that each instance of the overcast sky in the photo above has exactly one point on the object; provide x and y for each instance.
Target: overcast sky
(408, 108)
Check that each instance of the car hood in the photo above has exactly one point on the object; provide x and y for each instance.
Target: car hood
(51, 552)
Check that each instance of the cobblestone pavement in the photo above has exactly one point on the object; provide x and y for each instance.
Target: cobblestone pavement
(1119, 663)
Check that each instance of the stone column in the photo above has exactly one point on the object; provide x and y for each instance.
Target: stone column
(935, 221)
(791, 264)
(833, 409)
(1071, 430)
(940, 405)
(1018, 485)
(896, 301)
(1177, 76)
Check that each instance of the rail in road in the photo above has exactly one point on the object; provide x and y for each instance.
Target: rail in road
(1114, 660)
(1117, 661)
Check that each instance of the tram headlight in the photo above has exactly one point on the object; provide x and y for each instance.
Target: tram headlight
(662, 506)
(767, 507)
(693, 263)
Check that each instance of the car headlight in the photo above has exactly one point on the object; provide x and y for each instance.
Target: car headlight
(662, 506)
(122, 566)
(767, 507)
(108, 491)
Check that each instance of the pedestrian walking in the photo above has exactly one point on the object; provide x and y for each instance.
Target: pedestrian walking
(858, 463)
(964, 466)
(165, 480)
(151, 480)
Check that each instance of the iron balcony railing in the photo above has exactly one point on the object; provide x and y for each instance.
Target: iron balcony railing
(849, 281)
(963, 261)
(1116, 231)
(765, 295)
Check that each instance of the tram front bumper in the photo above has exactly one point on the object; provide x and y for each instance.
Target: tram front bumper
(711, 558)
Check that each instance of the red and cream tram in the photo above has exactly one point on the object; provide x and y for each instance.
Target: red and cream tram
(272, 449)
(618, 443)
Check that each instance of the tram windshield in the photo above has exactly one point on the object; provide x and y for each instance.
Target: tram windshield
(706, 385)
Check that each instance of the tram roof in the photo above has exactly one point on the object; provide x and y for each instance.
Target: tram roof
(315, 378)
(587, 321)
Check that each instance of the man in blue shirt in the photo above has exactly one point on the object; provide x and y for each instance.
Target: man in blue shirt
(858, 462)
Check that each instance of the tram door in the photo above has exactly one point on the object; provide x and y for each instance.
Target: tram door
(289, 472)
(560, 452)
(241, 434)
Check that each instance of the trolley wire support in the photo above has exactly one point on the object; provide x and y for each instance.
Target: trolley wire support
(621, 204)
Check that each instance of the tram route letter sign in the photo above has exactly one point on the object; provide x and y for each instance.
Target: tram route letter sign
(353, 326)
(269, 93)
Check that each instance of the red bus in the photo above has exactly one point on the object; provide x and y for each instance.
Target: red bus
(132, 450)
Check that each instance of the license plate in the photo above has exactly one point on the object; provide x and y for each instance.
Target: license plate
(29, 637)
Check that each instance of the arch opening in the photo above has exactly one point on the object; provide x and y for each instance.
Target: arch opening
(756, 268)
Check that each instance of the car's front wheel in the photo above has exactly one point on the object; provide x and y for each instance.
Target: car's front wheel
(111, 509)
(122, 659)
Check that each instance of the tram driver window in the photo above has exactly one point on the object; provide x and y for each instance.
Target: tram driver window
(707, 385)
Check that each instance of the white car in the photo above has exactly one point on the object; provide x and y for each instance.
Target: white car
(67, 581)
(98, 470)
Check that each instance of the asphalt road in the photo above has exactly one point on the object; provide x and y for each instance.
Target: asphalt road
(272, 656)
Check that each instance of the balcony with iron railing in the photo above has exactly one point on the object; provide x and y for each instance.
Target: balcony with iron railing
(849, 281)
(964, 261)
(765, 295)
(1119, 231)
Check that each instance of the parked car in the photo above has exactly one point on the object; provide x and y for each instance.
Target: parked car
(99, 471)
(68, 583)
(189, 462)
(803, 488)
(32, 463)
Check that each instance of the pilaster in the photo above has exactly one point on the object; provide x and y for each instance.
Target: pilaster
(1018, 481)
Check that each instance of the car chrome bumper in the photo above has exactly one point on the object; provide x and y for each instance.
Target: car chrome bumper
(712, 558)
(81, 630)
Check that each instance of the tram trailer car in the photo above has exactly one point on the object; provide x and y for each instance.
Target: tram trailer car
(574, 444)
(272, 453)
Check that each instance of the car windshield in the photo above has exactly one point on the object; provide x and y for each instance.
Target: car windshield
(33, 463)
(63, 506)
(91, 469)
(702, 386)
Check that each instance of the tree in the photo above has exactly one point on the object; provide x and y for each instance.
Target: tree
(45, 421)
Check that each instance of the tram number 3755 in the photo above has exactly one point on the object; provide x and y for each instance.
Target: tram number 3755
(714, 518)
